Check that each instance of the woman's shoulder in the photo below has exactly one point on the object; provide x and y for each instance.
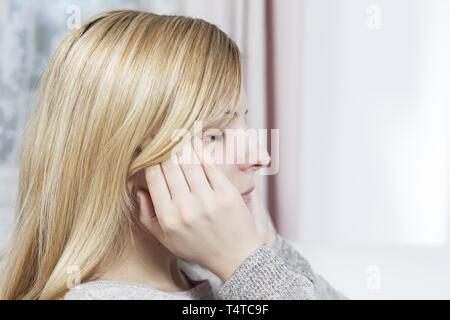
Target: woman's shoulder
(103, 289)
(94, 290)
(109, 290)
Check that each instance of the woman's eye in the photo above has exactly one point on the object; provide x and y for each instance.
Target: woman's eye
(214, 138)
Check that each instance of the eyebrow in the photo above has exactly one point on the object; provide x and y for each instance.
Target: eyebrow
(235, 113)
(217, 122)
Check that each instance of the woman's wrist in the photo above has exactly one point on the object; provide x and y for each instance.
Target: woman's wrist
(225, 268)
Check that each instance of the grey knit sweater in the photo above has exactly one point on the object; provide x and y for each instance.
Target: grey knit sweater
(269, 272)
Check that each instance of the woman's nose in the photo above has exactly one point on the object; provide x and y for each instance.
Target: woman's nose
(257, 156)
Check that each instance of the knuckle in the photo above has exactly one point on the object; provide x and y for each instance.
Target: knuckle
(211, 206)
(170, 225)
(184, 203)
(189, 209)
(222, 206)
(189, 220)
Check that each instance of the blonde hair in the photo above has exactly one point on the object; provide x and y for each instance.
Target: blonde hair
(113, 93)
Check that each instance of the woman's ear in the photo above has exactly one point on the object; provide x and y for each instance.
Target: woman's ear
(140, 183)
(131, 185)
(137, 182)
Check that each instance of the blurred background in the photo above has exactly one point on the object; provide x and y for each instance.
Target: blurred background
(359, 92)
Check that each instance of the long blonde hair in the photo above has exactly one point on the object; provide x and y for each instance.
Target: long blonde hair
(113, 93)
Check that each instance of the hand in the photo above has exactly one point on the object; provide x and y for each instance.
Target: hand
(196, 213)
(263, 221)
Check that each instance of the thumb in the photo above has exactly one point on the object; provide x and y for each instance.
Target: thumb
(147, 215)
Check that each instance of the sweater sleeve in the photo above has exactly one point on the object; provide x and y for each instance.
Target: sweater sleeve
(263, 275)
(298, 264)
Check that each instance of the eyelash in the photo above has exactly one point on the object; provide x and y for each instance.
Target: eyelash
(216, 137)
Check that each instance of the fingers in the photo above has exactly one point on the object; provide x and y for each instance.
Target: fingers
(193, 171)
(176, 181)
(217, 179)
(157, 188)
(147, 215)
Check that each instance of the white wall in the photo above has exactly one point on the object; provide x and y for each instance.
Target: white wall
(374, 123)
(374, 145)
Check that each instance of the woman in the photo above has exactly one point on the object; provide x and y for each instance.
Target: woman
(103, 211)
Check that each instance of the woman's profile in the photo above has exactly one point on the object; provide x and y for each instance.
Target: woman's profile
(103, 211)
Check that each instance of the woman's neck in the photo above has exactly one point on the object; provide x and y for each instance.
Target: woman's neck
(148, 262)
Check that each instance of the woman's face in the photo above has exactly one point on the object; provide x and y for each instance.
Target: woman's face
(241, 154)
